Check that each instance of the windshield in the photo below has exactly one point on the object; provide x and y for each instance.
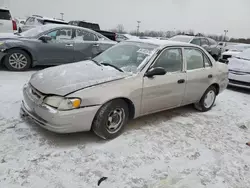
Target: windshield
(181, 39)
(127, 56)
(32, 33)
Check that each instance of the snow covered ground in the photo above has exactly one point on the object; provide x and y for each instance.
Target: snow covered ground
(172, 149)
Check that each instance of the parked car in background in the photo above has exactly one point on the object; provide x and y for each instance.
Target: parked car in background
(130, 79)
(122, 37)
(51, 44)
(36, 20)
(207, 43)
(95, 27)
(239, 69)
(233, 51)
(7, 25)
(20, 23)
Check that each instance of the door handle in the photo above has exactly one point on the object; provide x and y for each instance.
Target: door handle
(96, 45)
(181, 81)
(210, 76)
(69, 45)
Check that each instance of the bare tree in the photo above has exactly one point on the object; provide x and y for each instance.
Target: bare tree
(120, 28)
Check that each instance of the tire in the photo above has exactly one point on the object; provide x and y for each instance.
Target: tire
(17, 60)
(205, 104)
(101, 124)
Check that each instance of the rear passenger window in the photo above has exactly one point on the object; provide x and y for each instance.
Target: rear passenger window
(170, 60)
(5, 15)
(194, 59)
(82, 35)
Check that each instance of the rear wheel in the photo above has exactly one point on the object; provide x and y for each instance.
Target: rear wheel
(17, 60)
(111, 119)
(207, 100)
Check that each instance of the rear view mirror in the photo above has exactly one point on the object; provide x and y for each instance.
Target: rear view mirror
(45, 38)
(155, 71)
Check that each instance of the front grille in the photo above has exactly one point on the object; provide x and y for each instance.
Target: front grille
(226, 57)
(239, 82)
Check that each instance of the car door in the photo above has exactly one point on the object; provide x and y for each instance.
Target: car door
(165, 91)
(86, 45)
(59, 50)
(199, 74)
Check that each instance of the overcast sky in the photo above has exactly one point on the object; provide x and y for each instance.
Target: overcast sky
(207, 16)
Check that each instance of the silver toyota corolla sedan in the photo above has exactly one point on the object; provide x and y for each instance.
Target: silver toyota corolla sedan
(131, 79)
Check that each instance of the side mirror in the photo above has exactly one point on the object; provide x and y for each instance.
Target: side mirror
(45, 38)
(155, 71)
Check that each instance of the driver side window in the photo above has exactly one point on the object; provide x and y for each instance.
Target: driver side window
(170, 59)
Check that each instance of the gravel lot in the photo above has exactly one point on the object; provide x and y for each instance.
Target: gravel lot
(174, 149)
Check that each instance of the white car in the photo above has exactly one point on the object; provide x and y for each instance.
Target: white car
(233, 51)
(239, 70)
(20, 23)
(36, 20)
(7, 25)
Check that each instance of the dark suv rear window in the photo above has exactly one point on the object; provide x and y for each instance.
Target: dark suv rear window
(5, 15)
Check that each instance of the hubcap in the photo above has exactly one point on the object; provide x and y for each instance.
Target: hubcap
(115, 120)
(18, 61)
(209, 99)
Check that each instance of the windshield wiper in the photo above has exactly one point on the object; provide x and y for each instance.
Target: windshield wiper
(108, 64)
(96, 62)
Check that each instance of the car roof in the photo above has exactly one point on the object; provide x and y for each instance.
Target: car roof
(162, 43)
(55, 26)
(47, 18)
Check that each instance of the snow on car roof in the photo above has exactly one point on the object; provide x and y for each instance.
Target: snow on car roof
(161, 43)
(47, 18)
(52, 26)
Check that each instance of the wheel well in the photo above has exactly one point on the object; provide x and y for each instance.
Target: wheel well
(31, 57)
(130, 104)
(217, 87)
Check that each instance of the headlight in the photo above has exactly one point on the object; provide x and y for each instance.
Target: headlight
(62, 103)
(1, 43)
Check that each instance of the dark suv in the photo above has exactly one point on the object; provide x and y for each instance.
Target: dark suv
(208, 44)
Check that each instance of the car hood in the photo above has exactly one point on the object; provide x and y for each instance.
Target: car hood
(65, 79)
(237, 64)
(232, 53)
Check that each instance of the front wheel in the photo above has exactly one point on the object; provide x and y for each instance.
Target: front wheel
(111, 119)
(207, 100)
(17, 60)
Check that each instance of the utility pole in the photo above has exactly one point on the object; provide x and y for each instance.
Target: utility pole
(138, 27)
(225, 31)
(62, 14)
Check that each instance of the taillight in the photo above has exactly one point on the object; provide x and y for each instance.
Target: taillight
(14, 25)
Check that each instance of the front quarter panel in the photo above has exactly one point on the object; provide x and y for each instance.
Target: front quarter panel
(129, 88)
(27, 45)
